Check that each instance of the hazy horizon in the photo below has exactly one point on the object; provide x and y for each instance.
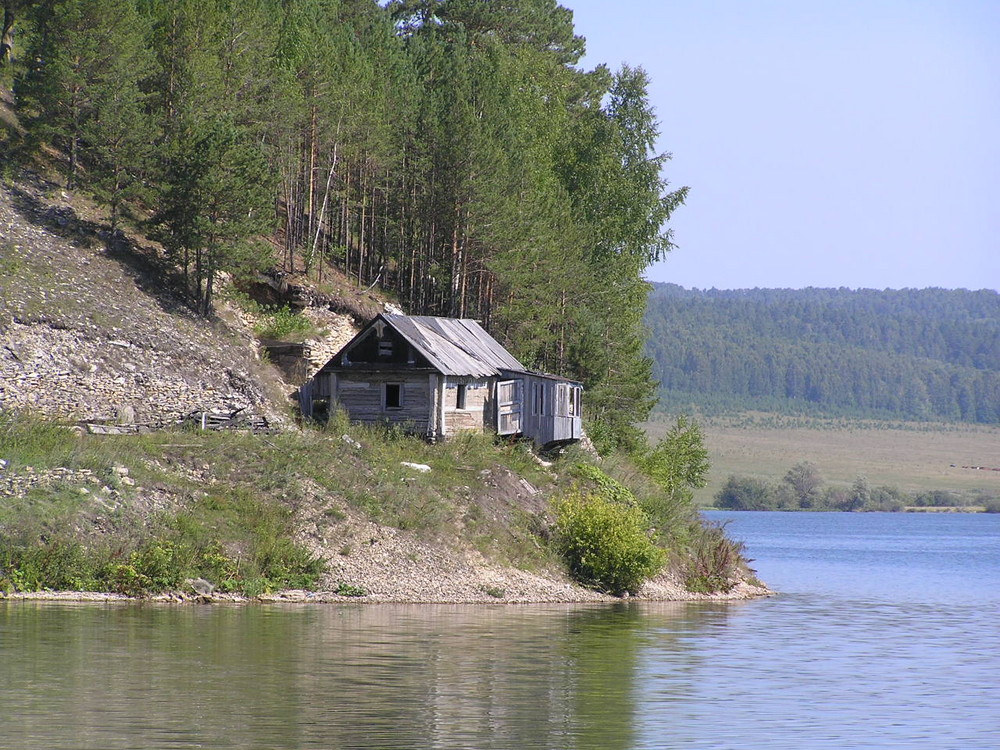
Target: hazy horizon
(826, 144)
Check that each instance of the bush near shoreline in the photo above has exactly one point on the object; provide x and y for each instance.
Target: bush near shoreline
(253, 515)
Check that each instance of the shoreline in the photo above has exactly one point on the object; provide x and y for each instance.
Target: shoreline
(659, 590)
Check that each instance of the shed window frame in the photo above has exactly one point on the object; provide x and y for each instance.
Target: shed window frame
(392, 396)
(538, 400)
(460, 396)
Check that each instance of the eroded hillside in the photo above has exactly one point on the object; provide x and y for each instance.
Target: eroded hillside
(84, 333)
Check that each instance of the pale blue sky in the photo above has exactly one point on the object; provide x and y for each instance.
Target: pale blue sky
(827, 143)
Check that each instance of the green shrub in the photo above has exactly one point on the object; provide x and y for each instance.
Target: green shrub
(347, 589)
(679, 461)
(282, 323)
(715, 562)
(992, 505)
(606, 544)
(609, 488)
(60, 564)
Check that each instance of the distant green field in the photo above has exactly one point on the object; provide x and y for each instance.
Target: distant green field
(915, 457)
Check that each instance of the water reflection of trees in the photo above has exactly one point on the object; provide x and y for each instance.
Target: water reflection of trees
(354, 676)
(138, 676)
(526, 677)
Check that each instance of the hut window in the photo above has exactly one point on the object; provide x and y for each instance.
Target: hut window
(393, 395)
(574, 402)
(460, 396)
(539, 398)
(385, 348)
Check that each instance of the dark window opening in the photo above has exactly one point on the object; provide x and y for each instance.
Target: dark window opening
(321, 410)
(393, 396)
(385, 348)
(539, 398)
(460, 396)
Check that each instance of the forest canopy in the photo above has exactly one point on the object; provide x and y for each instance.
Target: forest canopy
(928, 354)
(450, 152)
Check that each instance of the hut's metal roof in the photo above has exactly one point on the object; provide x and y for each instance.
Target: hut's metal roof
(455, 346)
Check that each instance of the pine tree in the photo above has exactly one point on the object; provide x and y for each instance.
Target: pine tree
(216, 202)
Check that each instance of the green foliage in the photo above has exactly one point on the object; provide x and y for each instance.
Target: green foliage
(610, 489)
(183, 547)
(804, 480)
(802, 488)
(282, 323)
(744, 493)
(214, 199)
(911, 354)
(715, 562)
(495, 591)
(347, 589)
(606, 544)
(679, 461)
(60, 564)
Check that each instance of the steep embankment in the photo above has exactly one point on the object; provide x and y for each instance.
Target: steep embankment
(85, 333)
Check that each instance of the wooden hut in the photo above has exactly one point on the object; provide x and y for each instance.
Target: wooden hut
(440, 376)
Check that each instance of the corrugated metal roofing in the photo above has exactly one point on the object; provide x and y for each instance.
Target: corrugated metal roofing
(455, 346)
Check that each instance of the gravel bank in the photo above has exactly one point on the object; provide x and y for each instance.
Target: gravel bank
(395, 568)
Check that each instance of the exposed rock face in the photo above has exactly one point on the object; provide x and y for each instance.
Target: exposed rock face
(86, 333)
(339, 328)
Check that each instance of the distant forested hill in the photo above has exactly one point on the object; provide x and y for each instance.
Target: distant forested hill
(911, 354)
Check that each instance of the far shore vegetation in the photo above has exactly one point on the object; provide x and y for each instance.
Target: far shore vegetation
(772, 461)
(802, 488)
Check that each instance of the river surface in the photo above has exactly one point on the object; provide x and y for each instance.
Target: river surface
(886, 634)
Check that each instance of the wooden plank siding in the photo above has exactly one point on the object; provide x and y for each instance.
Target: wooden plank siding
(510, 405)
(363, 396)
(551, 410)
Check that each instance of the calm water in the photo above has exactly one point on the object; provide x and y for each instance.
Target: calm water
(885, 635)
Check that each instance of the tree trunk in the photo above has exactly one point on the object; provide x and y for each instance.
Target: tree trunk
(7, 33)
(74, 138)
(319, 223)
(362, 237)
(311, 181)
(455, 264)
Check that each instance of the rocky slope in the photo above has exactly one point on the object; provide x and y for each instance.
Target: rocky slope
(85, 333)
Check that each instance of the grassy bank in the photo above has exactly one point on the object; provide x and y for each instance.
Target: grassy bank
(252, 514)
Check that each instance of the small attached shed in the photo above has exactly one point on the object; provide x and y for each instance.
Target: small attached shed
(440, 376)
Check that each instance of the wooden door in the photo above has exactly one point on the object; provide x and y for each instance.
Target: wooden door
(509, 400)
